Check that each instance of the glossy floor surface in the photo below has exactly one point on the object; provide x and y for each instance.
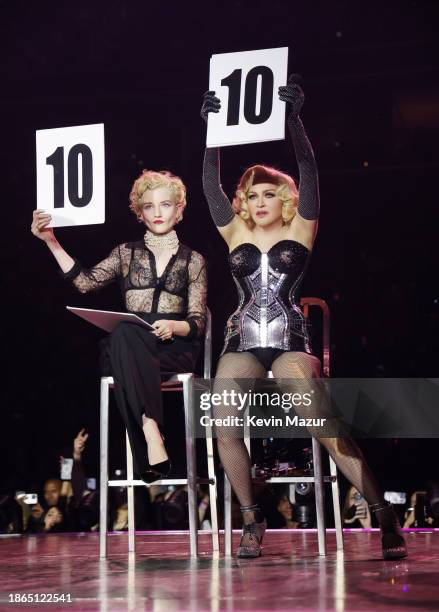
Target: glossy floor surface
(160, 575)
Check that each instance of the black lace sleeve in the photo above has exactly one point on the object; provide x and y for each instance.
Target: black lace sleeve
(197, 294)
(101, 274)
(219, 204)
(309, 199)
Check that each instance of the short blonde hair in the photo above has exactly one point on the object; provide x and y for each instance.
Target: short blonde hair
(151, 179)
(286, 191)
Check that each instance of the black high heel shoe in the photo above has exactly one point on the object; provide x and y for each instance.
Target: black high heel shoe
(158, 471)
(392, 540)
(252, 534)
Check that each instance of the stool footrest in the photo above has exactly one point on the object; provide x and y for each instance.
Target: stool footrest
(139, 483)
(209, 481)
(291, 479)
(164, 481)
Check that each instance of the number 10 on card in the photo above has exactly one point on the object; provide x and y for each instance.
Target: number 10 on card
(71, 174)
(247, 84)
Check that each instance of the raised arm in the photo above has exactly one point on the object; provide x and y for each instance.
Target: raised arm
(220, 207)
(79, 482)
(71, 269)
(309, 200)
(98, 276)
(219, 204)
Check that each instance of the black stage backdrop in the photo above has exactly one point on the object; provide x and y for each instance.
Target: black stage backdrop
(370, 74)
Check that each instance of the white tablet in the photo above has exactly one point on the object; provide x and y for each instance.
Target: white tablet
(106, 319)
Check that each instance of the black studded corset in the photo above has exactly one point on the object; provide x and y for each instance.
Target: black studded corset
(268, 314)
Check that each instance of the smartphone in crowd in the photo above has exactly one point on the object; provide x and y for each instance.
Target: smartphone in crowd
(66, 468)
(30, 499)
(395, 497)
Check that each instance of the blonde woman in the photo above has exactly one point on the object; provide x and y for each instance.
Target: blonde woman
(164, 282)
(270, 231)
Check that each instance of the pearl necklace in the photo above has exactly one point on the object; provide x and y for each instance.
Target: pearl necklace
(161, 241)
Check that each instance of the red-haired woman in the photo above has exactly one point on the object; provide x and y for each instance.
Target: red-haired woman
(270, 231)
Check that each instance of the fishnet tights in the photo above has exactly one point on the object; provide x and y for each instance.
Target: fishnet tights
(232, 450)
(345, 451)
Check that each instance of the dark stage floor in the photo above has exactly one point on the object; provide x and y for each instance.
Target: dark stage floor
(289, 576)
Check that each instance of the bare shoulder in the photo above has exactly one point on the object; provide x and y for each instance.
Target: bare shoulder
(233, 230)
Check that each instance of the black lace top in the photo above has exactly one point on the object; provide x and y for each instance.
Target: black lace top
(179, 292)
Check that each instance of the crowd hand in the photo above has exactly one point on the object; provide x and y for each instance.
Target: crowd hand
(79, 444)
(361, 511)
(211, 104)
(293, 95)
(39, 228)
(163, 329)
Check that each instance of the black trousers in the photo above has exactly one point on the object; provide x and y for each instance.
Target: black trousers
(138, 362)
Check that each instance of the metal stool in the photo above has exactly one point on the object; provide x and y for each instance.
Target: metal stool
(318, 478)
(178, 382)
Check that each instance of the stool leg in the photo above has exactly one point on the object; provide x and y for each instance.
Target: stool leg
(103, 505)
(191, 462)
(318, 484)
(336, 504)
(212, 488)
(227, 517)
(228, 529)
(246, 431)
(130, 498)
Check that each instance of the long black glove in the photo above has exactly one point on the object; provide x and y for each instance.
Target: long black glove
(219, 204)
(211, 104)
(309, 199)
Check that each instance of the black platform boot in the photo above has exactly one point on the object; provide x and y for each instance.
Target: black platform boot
(158, 471)
(252, 534)
(392, 540)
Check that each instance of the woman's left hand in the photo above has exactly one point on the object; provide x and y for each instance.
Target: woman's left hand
(163, 329)
(293, 95)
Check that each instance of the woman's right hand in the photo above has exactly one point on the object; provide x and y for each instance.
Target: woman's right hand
(39, 228)
(211, 104)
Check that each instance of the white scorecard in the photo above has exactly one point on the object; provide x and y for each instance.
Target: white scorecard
(106, 319)
(247, 84)
(71, 174)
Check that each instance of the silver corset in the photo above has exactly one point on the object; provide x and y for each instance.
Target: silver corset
(264, 318)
